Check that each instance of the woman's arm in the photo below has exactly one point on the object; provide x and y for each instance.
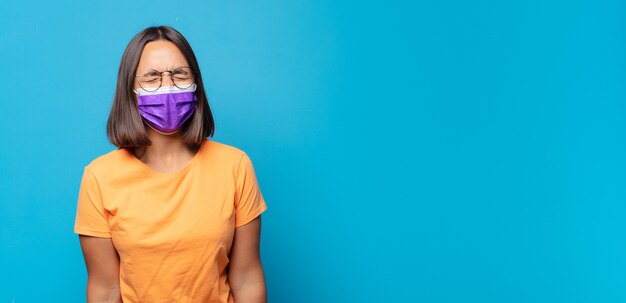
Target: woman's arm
(245, 272)
(103, 264)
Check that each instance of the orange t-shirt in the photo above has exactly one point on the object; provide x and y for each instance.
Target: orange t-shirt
(173, 231)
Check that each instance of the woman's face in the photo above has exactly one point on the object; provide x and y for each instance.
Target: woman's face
(160, 55)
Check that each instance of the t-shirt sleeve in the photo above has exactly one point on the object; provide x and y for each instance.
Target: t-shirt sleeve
(91, 216)
(249, 202)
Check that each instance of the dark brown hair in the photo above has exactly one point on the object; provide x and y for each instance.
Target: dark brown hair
(125, 127)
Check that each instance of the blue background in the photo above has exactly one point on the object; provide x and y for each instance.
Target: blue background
(439, 151)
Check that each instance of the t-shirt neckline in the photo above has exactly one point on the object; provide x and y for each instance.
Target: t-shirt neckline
(156, 173)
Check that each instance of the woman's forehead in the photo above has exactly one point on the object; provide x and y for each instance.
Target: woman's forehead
(161, 55)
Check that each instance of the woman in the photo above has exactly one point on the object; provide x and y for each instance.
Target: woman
(170, 215)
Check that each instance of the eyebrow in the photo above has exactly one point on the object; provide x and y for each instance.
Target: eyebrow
(150, 72)
(154, 71)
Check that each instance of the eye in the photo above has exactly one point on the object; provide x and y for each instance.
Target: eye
(151, 79)
(181, 77)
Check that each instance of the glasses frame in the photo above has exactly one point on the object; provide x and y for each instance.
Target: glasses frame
(171, 72)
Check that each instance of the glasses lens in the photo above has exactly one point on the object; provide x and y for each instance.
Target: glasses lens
(150, 81)
(183, 77)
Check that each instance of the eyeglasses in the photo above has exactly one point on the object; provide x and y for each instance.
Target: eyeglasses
(182, 77)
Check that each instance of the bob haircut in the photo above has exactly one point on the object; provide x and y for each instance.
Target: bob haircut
(125, 127)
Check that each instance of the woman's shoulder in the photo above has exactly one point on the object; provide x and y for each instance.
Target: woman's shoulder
(223, 148)
(222, 151)
(108, 161)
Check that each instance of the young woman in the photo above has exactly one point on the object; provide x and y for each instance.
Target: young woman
(170, 215)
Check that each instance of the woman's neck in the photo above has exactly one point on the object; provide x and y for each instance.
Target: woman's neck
(165, 149)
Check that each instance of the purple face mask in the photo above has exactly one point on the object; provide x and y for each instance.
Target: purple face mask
(167, 108)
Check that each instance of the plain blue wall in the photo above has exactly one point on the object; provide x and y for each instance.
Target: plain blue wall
(441, 151)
